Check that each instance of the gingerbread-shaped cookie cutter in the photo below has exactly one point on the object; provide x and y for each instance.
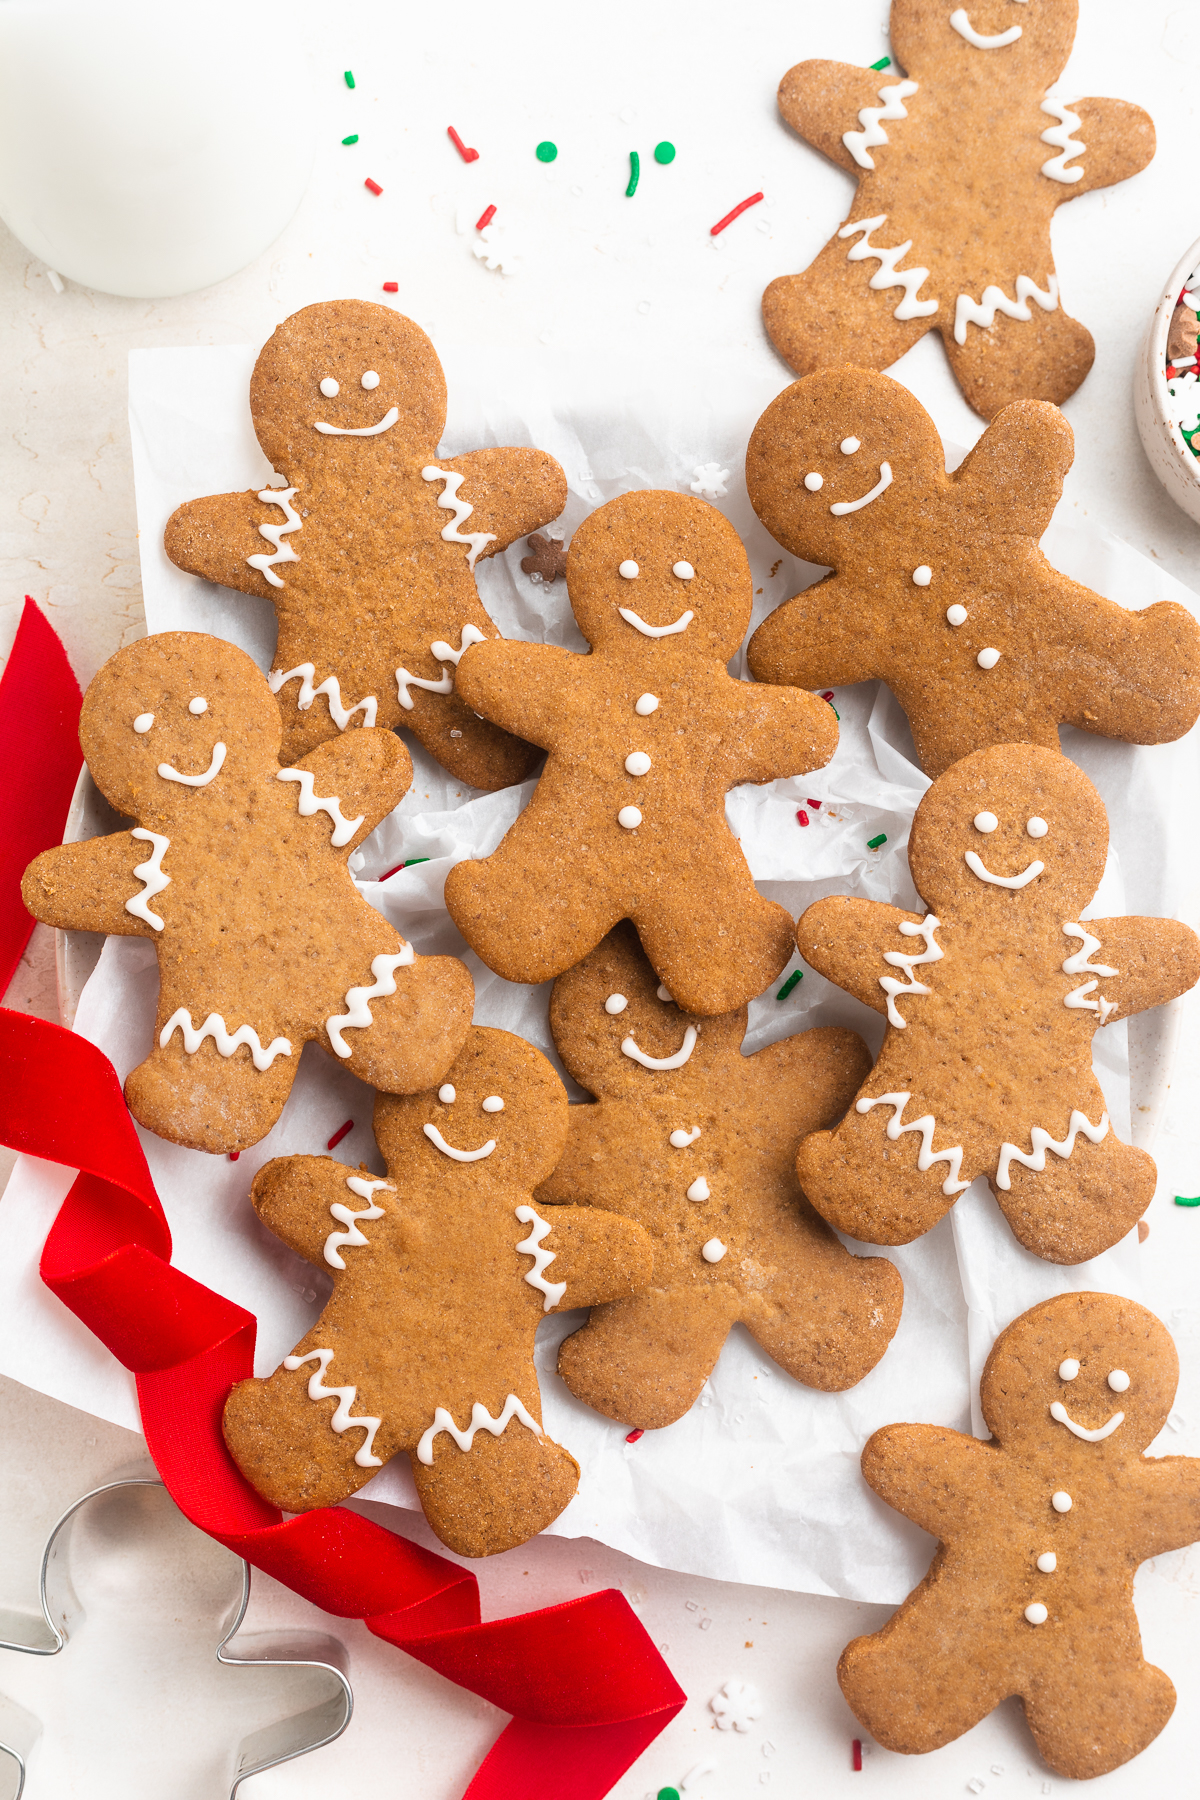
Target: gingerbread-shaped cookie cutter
(62, 1613)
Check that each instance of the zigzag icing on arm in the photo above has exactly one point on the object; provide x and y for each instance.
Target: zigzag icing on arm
(359, 1015)
(470, 634)
(481, 1420)
(214, 1027)
(310, 803)
(926, 1156)
(1060, 137)
(887, 275)
(151, 873)
(330, 687)
(280, 497)
(983, 312)
(932, 952)
(339, 1240)
(1042, 1141)
(530, 1246)
(1076, 964)
(450, 500)
(860, 143)
(445, 653)
(345, 1396)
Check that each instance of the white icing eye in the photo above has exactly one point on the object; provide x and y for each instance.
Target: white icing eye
(198, 705)
(493, 1103)
(849, 446)
(986, 821)
(629, 570)
(1068, 1370)
(370, 379)
(1036, 827)
(814, 482)
(956, 615)
(645, 704)
(142, 723)
(447, 1094)
(1061, 1502)
(629, 817)
(329, 387)
(987, 659)
(1118, 1381)
(922, 576)
(665, 994)
(616, 1003)
(638, 763)
(684, 570)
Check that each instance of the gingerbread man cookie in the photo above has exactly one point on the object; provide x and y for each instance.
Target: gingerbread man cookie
(961, 163)
(646, 735)
(236, 870)
(992, 999)
(442, 1273)
(697, 1142)
(1040, 1532)
(373, 584)
(939, 587)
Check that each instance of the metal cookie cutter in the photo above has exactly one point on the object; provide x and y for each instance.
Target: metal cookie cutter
(62, 1613)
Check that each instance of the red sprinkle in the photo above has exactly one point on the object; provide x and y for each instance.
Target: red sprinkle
(802, 817)
(233, 1155)
(466, 154)
(485, 218)
(392, 872)
(634, 1436)
(391, 287)
(815, 804)
(731, 216)
(339, 1134)
(373, 185)
(856, 1753)
(828, 696)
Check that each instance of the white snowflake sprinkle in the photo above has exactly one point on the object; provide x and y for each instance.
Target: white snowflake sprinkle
(710, 481)
(737, 1705)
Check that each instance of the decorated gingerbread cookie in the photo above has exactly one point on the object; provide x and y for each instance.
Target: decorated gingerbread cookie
(442, 1272)
(368, 556)
(992, 999)
(236, 870)
(697, 1142)
(1039, 1534)
(938, 585)
(961, 161)
(645, 737)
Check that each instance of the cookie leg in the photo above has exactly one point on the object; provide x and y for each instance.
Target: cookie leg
(415, 1033)
(1101, 1719)
(869, 1186)
(499, 1493)
(832, 1329)
(285, 1446)
(1045, 358)
(1079, 1205)
(713, 939)
(643, 1361)
(208, 1101)
(830, 314)
(914, 1684)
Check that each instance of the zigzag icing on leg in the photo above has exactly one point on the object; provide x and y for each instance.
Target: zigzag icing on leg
(215, 1028)
(926, 1156)
(887, 275)
(330, 687)
(1042, 1141)
(983, 312)
(481, 1420)
(341, 1420)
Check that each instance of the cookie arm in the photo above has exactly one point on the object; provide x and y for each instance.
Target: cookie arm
(823, 637)
(510, 492)
(215, 537)
(292, 1196)
(928, 1472)
(1120, 142)
(599, 1255)
(1155, 960)
(1166, 1513)
(369, 772)
(516, 685)
(777, 731)
(845, 941)
(84, 887)
(1012, 480)
(821, 102)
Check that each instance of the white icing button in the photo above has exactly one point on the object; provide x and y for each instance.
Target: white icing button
(1068, 1370)
(645, 704)
(493, 1103)
(922, 576)
(814, 482)
(198, 705)
(956, 615)
(616, 1003)
(628, 569)
(684, 570)
(1118, 1381)
(665, 994)
(370, 379)
(987, 659)
(1036, 1614)
(629, 817)
(986, 821)
(637, 764)
(849, 446)
(1047, 1562)
(699, 1191)
(1036, 827)
(447, 1094)
(713, 1251)
(329, 387)
(679, 1140)
(1061, 1502)
(142, 723)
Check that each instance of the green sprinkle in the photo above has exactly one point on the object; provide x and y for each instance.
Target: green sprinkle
(668, 1794)
(885, 62)
(635, 169)
(664, 153)
(415, 859)
(797, 975)
(874, 843)
(546, 151)
(349, 78)
(351, 140)
(1182, 1200)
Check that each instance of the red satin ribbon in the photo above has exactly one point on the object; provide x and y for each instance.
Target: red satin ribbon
(586, 1687)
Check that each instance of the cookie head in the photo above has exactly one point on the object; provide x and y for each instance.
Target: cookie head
(1014, 826)
(499, 1117)
(992, 42)
(339, 377)
(174, 716)
(662, 575)
(1084, 1375)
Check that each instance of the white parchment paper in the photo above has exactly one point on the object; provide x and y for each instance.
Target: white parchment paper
(760, 1482)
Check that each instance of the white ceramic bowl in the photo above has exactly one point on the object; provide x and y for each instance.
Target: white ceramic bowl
(1170, 458)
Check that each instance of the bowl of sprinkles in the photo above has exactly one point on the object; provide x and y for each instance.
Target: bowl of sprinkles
(1167, 386)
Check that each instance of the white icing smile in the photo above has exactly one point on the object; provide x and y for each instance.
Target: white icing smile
(842, 507)
(639, 624)
(385, 424)
(965, 29)
(1058, 1411)
(435, 1137)
(629, 1048)
(210, 774)
(976, 866)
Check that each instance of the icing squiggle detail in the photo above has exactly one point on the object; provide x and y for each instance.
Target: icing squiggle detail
(977, 866)
(470, 634)
(280, 497)
(151, 873)
(861, 143)
(932, 953)
(210, 774)
(435, 1137)
(330, 687)
(553, 1290)
(1058, 1411)
(345, 1397)
(655, 631)
(215, 1028)
(1077, 963)
(353, 1237)
(842, 507)
(309, 803)
(962, 24)
(629, 1048)
(926, 1156)
(481, 1420)
(1042, 1141)
(994, 299)
(359, 1016)
(445, 653)
(461, 510)
(1060, 137)
(887, 275)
